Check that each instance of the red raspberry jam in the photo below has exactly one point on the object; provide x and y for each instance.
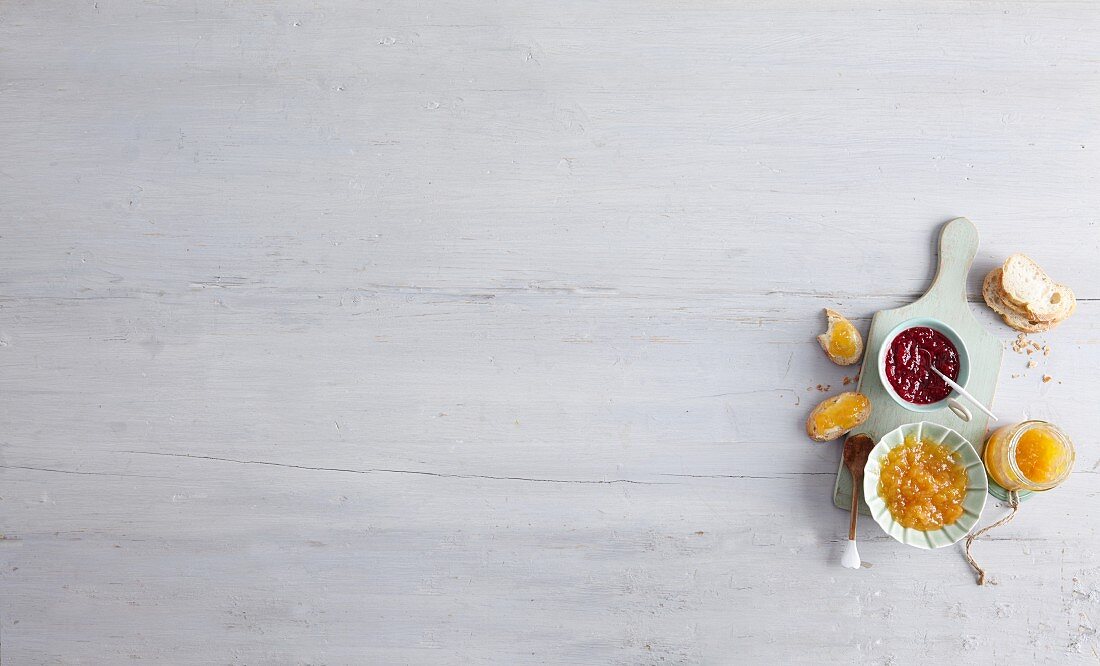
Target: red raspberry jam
(909, 360)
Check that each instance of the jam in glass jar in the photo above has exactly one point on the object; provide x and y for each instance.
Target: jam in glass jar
(1033, 455)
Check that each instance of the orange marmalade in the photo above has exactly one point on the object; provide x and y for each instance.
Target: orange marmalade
(1033, 455)
(923, 484)
(841, 411)
(844, 341)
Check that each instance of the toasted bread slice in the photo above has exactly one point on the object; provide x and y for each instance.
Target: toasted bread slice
(841, 340)
(837, 415)
(1026, 285)
(1011, 314)
(1023, 281)
(1057, 307)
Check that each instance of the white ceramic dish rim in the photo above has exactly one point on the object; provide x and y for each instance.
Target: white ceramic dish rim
(960, 347)
(977, 486)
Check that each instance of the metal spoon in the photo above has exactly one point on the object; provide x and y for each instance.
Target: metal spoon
(856, 450)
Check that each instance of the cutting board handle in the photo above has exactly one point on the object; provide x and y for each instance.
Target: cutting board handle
(958, 245)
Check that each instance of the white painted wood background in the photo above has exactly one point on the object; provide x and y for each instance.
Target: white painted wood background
(482, 332)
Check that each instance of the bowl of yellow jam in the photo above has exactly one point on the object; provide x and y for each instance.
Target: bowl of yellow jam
(925, 485)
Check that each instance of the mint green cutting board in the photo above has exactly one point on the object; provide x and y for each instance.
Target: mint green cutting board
(945, 300)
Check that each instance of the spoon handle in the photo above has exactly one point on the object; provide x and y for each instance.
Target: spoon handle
(855, 510)
(851, 558)
(977, 403)
(953, 384)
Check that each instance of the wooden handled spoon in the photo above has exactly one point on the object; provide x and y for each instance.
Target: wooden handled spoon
(856, 450)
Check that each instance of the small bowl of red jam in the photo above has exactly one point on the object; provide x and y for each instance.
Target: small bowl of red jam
(907, 356)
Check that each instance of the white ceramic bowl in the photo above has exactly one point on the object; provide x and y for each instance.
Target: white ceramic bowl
(950, 334)
(976, 488)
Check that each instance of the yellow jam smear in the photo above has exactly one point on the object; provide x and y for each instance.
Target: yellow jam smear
(843, 339)
(1039, 455)
(923, 484)
(845, 412)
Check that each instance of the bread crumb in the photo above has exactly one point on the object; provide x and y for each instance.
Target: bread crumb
(1030, 351)
(1014, 376)
(1032, 363)
(1047, 378)
(847, 380)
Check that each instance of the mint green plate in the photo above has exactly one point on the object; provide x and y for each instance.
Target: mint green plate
(976, 488)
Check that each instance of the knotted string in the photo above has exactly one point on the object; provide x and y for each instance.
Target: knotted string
(1014, 502)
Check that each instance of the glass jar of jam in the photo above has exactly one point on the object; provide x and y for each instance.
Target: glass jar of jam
(1033, 455)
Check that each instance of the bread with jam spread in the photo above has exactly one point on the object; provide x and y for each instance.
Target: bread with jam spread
(841, 340)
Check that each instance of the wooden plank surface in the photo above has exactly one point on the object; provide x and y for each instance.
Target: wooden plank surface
(471, 332)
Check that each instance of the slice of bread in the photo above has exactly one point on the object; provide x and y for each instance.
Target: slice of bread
(1023, 281)
(1026, 285)
(841, 340)
(1057, 307)
(1010, 313)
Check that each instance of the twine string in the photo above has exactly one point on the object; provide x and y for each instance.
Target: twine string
(1014, 502)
